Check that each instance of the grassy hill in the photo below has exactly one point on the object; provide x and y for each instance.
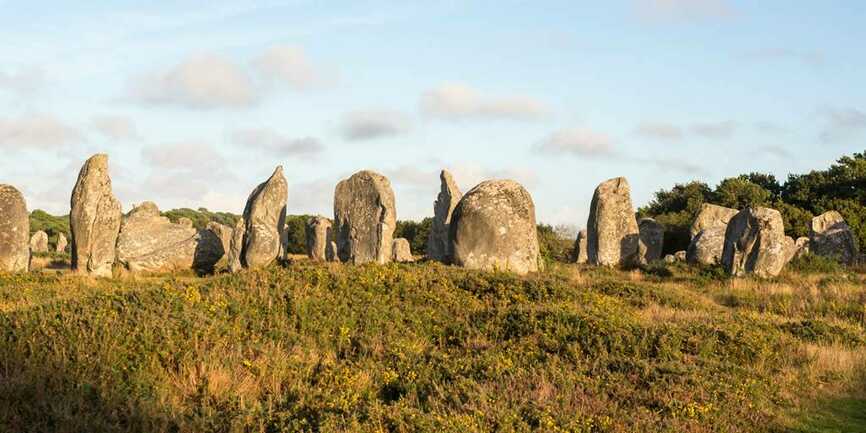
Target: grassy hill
(425, 347)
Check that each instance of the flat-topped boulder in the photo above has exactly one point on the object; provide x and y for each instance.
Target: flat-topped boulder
(401, 252)
(365, 217)
(707, 246)
(830, 236)
(438, 244)
(711, 215)
(613, 237)
(264, 218)
(493, 228)
(39, 242)
(755, 243)
(14, 231)
(94, 220)
(652, 235)
(318, 235)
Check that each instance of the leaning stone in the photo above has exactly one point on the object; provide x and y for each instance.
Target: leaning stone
(830, 236)
(14, 231)
(94, 220)
(438, 244)
(580, 255)
(39, 242)
(401, 251)
(319, 235)
(61, 243)
(265, 216)
(707, 246)
(755, 243)
(493, 227)
(613, 237)
(711, 215)
(652, 235)
(364, 218)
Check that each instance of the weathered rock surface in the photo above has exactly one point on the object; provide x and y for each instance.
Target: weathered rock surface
(438, 244)
(707, 246)
(580, 255)
(331, 252)
(149, 242)
(711, 215)
(680, 256)
(755, 243)
(264, 216)
(319, 235)
(224, 233)
(830, 236)
(493, 227)
(94, 220)
(670, 258)
(801, 246)
(652, 235)
(14, 231)
(401, 251)
(39, 242)
(62, 243)
(790, 248)
(236, 246)
(185, 222)
(364, 218)
(613, 237)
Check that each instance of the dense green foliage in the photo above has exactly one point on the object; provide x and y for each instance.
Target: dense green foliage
(426, 347)
(296, 233)
(53, 225)
(842, 188)
(201, 217)
(416, 233)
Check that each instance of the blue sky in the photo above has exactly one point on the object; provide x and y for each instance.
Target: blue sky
(196, 104)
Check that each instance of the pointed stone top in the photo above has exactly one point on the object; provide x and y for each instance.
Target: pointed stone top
(278, 170)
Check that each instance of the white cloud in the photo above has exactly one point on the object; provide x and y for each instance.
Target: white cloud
(842, 123)
(115, 127)
(576, 141)
(24, 81)
(202, 81)
(289, 65)
(271, 141)
(184, 170)
(715, 130)
(687, 10)
(36, 130)
(659, 131)
(810, 58)
(370, 124)
(458, 101)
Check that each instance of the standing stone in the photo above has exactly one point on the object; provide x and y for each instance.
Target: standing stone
(711, 215)
(755, 243)
(790, 248)
(14, 231)
(707, 246)
(94, 220)
(830, 236)
(331, 252)
(652, 235)
(149, 242)
(39, 242)
(580, 255)
(801, 246)
(438, 244)
(61, 243)
(493, 227)
(319, 236)
(223, 232)
(364, 218)
(236, 246)
(401, 251)
(613, 237)
(264, 216)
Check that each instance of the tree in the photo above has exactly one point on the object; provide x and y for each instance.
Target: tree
(740, 193)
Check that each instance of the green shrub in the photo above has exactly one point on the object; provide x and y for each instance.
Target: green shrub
(815, 264)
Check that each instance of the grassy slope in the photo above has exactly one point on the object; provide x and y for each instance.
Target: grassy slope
(430, 348)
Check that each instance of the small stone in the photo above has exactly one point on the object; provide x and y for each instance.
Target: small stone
(830, 236)
(580, 248)
(39, 242)
(402, 253)
(319, 235)
(61, 243)
(680, 256)
(652, 235)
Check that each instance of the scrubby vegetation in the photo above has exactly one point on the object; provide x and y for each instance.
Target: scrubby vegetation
(201, 217)
(50, 224)
(842, 188)
(425, 347)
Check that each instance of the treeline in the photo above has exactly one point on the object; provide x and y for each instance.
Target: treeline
(841, 187)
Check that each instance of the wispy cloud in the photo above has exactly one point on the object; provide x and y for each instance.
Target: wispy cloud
(22, 81)
(807, 57)
(659, 131)
(278, 144)
(684, 10)
(36, 131)
(289, 65)
(456, 101)
(115, 127)
(842, 123)
(576, 141)
(370, 124)
(715, 130)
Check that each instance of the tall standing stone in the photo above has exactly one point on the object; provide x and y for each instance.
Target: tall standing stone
(652, 235)
(580, 255)
(613, 237)
(61, 243)
(438, 244)
(94, 220)
(493, 227)
(755, 243)
(14, 231)
(830, 236)
(364, 218)
(319, 234)
(39, 242)
(711, 216)
(264, 217)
